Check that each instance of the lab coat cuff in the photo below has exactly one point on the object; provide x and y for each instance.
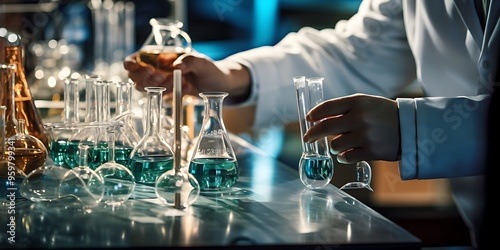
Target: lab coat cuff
(252, 97)
(407, 124)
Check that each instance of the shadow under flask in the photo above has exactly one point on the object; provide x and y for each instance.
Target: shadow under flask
(152, 156)
(213, 162)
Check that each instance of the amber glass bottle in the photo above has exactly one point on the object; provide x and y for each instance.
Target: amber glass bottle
(24, 104)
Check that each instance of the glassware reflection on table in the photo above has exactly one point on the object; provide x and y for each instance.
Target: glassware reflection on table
(316, 166)
(213, 162)
(153, 155)
(166, 42)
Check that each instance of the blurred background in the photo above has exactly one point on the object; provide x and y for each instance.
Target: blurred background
(93, 36)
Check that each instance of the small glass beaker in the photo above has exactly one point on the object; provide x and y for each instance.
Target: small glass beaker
(213, 162)
(316, 165)
(153, 155)
(60, 133)
(167, 41)
(92, 133)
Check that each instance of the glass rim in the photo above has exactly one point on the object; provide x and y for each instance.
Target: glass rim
(155, 89)
(315, 78)
(213, 93)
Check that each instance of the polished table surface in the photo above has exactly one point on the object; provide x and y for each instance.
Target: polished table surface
(269, 207)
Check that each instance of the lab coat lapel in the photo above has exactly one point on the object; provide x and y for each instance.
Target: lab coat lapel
(467, 11)
(492, 28)
(492, 37)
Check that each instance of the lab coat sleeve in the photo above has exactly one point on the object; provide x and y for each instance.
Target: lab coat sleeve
(368, 53)
(443, 137)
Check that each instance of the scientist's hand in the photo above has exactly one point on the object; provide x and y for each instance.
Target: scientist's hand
(199, 72)
(145, 75)
(363, 127)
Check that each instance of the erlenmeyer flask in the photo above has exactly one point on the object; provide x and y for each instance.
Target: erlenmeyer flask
(152, 156)
(16, 90)
(315, 165)
(126, 137)
(213, 162)
(165, 42)
(28, 151)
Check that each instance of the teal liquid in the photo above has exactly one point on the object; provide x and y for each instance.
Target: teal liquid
(316, 168)
(122, 155)
(57, 151)
(98, 155)
(214, 173)
(72, 157)
(147, 169)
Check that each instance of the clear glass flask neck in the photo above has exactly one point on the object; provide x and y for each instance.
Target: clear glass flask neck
(90, 98)
(71, 100)
(213, 112)
(154, 107)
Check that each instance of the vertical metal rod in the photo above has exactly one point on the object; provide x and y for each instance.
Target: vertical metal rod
(177, 100)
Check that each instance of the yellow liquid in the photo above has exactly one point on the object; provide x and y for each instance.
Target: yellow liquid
(152, 55)
(26, 159)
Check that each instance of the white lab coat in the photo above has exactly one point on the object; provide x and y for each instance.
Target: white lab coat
(381, 50)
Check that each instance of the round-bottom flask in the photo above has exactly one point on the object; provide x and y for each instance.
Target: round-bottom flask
(81, 186)
(27, 152)
(153, 156)
(119, 182)
(213, 163)
(177, 188)
(42, 184)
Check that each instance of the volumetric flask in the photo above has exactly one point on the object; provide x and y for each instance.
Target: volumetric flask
(213, 162)
(153, 156)
(315, 165)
